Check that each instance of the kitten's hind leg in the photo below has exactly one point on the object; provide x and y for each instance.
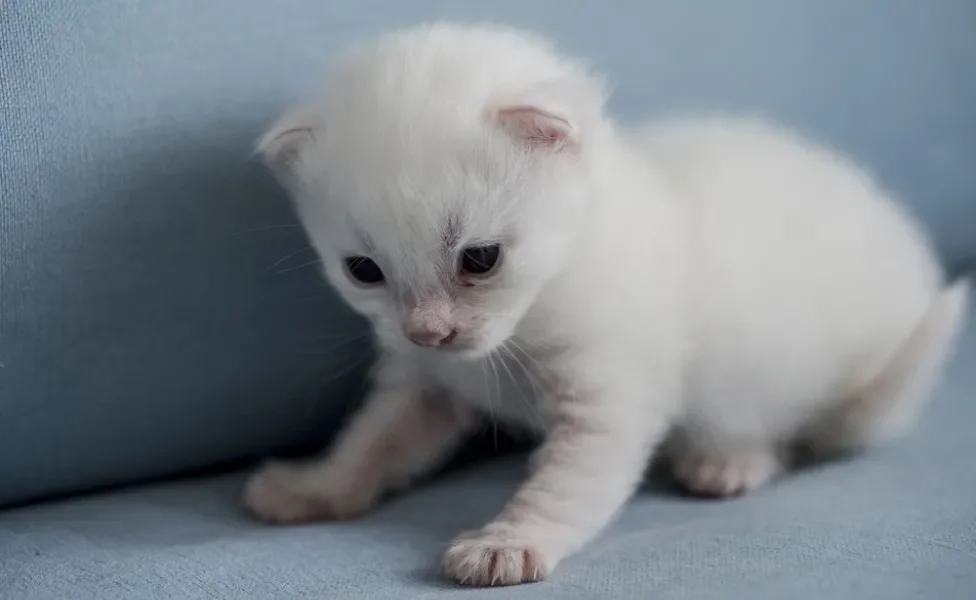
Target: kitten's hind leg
(888, 403)
(724, 473)
(403, 431)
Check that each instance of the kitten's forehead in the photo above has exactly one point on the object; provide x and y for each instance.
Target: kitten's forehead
(457, 205)
(401, 228)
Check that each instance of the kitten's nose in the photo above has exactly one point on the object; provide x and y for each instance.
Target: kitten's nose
(431, 338)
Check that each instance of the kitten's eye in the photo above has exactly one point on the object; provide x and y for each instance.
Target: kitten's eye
(364, 270)
(480, 260)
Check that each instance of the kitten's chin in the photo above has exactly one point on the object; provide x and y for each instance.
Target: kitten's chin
(470, 352)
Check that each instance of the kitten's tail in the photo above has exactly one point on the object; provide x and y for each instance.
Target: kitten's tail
(891, 399)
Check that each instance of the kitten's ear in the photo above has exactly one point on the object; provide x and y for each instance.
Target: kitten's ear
(281, 145)
(552, 115)
(538, 127)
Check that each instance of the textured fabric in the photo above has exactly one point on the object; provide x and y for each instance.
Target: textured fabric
(153, 316)
(898, 523)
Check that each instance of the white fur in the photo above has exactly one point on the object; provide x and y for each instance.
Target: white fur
(720, 289)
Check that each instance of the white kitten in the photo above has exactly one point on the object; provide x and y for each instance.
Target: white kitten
(716, 289)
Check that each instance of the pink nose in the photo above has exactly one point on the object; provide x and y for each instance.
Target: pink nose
(431, 339)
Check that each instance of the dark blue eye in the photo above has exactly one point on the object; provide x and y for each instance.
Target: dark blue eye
(364, 270)
(480, 260)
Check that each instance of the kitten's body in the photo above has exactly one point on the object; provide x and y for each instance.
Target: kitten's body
(858, 278)
(716, 288)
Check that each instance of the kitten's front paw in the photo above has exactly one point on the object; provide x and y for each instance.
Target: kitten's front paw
(488, 558)
(283, 493)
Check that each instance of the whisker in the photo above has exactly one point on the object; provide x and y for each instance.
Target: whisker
(283, 271)
(264, 228)
(332, 377)
(335, 347)
(537, 388)
(491, 411)
(287, 256)
(527, 401)
(515, 344)
(313, 297)
(357, 336)
(498, 389)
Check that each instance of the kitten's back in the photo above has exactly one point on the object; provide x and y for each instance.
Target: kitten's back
(801, 264)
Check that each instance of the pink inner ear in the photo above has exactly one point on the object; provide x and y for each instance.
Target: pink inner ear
(537, 127)
(284, 146)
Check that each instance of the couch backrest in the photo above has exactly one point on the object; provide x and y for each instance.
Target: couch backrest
(159, 308)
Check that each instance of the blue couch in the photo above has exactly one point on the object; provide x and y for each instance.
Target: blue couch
(162, 322)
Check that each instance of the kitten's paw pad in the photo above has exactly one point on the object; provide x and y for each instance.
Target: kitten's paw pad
(282, 493)
(724, 476)
(485, 559)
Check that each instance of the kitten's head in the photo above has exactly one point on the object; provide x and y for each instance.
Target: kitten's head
(444, 180)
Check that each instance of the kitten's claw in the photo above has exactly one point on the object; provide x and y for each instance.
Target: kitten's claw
(725, 475)
(283, 493)
(484, 558)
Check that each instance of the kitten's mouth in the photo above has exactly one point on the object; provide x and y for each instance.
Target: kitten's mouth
(470, 354)
(463, 352)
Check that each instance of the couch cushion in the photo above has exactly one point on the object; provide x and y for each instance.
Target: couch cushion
(159, 309)
(897, 523)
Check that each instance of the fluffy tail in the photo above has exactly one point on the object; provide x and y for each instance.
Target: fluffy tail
(891, 399)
